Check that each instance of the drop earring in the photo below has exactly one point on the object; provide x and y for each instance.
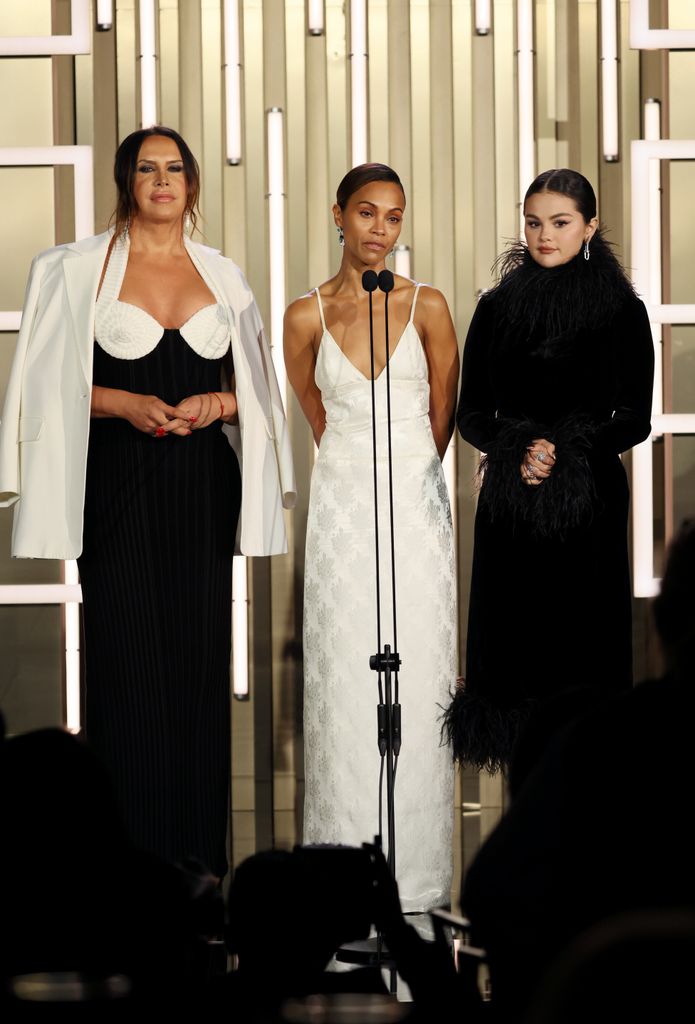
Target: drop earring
(587, 254)
(341, 237)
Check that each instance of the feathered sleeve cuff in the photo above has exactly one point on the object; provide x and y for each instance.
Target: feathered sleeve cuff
(562, 502)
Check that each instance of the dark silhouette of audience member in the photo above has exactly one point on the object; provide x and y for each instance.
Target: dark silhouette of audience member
(601, 825)
(75, 894)
(634, 966)
(289, 912)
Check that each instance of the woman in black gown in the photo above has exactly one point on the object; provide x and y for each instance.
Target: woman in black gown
(556, 382)
(141, 369)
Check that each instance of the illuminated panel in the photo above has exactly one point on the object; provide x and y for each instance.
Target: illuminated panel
(358, 80)
(79, 40)
(104, 15)
(609, 79)
(315, 18)
(276, 238)
(525, 95)
(148, 64)
(646, 252)
(232, 82)
(240, 629)
(483, 21)
(642, 37)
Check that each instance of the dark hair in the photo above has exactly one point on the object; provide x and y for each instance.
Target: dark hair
(125, 165)
(361, 175)
(566, 182)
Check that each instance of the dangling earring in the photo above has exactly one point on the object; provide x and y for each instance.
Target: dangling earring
(187, 223)
(341, 237)
(587, 254)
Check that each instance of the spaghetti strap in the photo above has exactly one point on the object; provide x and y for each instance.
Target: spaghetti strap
(318, 297)
(412, 308)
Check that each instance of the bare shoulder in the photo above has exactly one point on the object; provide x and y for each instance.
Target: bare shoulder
(431, 301)
(303, 313)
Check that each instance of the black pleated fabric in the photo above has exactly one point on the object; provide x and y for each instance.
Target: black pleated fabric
(156, 572)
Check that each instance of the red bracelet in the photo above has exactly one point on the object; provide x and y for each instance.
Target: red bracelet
(220, 401)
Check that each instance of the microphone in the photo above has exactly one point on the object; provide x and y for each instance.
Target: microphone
(385, 280)
(370, 282)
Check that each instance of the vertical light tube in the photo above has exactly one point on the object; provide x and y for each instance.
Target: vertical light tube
(358, 80)
(104, 15)
(401, 260)
(232, 82)
(72, 652)
(652, 132)
(148, 64)
(483, 21)
(276, 238)
(609, 80)
(525, 96)
(240, 629)
(315, 18)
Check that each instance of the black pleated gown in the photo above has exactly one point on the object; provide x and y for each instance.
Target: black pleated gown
(156, 571)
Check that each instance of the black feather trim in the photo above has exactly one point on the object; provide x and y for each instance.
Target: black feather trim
(480, 733)
(548, 307)
(565, 501)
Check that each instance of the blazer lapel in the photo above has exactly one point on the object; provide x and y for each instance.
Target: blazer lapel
(82, 270)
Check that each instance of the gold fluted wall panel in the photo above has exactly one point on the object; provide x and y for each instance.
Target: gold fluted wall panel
(442, 111)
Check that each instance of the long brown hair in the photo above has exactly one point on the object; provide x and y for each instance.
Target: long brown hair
(125, 166)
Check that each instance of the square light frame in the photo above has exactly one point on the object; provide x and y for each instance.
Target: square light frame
(78, 157)
(78, 41)
(642, 37)
(645, 583)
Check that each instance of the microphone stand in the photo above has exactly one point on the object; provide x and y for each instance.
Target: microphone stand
(385, 662)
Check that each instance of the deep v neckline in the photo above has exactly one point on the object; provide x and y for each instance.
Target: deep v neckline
(356, 368)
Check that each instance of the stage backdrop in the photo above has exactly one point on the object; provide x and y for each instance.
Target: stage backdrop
(467, 100)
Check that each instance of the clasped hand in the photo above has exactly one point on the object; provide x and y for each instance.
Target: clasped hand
(538, 462)
(153, 416)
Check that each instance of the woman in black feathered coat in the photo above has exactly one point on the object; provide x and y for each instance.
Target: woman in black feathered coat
(556, 382)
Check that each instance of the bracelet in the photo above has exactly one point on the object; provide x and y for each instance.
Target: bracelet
(211, 393)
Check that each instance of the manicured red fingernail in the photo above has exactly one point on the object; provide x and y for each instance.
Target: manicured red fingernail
(192, 419)
(160, 432)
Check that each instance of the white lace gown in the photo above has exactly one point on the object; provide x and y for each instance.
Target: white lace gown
(340, 690)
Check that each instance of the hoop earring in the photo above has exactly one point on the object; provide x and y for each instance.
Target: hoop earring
(587, 254)
(341, 237)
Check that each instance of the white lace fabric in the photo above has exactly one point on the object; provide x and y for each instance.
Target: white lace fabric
(340, 690)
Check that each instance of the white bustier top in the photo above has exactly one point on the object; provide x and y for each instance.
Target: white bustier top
(126, 331)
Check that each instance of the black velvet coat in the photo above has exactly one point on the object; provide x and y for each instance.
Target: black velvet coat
(550, 603)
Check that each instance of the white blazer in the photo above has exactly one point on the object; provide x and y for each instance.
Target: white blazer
(44, 431)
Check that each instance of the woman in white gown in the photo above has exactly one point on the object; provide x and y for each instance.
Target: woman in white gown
(328, 364)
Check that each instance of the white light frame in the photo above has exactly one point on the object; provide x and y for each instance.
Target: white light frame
(359, 87)
(525, 98)
(316, 18)
(78, 41)
(275, 141)
(240, 629)
(148, 63)
(104, 15)
(483, 18)
(68, 593)
(232, 82)
(81, 159)
(646, 248)
(642, 37)
(609, 80)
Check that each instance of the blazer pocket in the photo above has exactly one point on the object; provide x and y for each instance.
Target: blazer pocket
(30, 428)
